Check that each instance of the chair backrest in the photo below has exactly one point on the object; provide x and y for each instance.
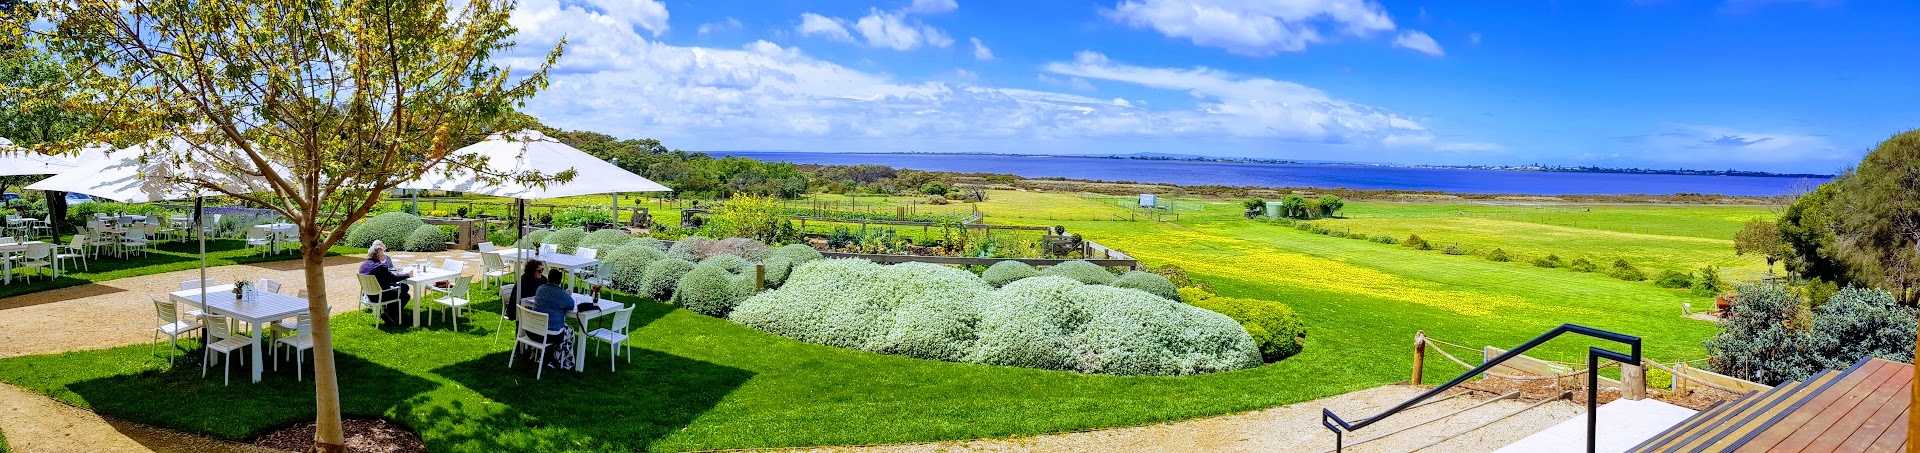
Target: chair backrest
(506, 295)
(549, 249)
(491, 262)
(164, 311)
(370, 286)
(136, 233)
(453, 265)
(532, 321)
(304, 328)
(272, 286)
(302, 294)
(6, 239)
(586, 252)
(257, 233)
(79, 241)
(39, 250)
(217, 327)
(486, 247)
(95, 224)
(622, 318)
(192, 284)
(460, 285)
(13, 217)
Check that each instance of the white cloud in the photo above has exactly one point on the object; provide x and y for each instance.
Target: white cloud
(815, 24)
(1253, 28)
(1419, 41)
(1067, 82)
(648, 14)
(896, 31)
(1474, 37)
(730, 24)
(767, 96)
(980, 50)
(964, 75)
(1693, 143)
(1470, 147)
(932, 7)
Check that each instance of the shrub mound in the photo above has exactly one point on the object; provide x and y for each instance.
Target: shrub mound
(712, 288)
(532, 240)
(729, 262)
(1193, 293)
(777, 269)
(1625, 271)
(1004, 272)
(1673, 280)
(627, 266)
(391, 228)
(661, 276)
(750, 249)
(796, 253)
(1274, 326)
(1581, 265)
(648, 242)
(692, 248)
(427, 238)
(1083, 271)
(604, 240)
(566, 240)
(1048, 322)
(1151, 283)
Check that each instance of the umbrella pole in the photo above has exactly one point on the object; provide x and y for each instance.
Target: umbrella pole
(616, 210)
(200, 226)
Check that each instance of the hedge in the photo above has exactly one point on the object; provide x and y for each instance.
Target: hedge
(661, 276)
(427, 238)
(604, 240)
(1004, 272)
(1083, 271)
(1274, 326)
(627, 266)
(391, 228)
(1151, 283)
(565, 240)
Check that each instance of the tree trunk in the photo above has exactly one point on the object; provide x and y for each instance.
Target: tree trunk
(56, 212)
(328, 437)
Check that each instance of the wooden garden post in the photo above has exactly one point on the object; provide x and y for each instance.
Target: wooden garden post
(759, 278)
(1633, 381)
(1419, 355)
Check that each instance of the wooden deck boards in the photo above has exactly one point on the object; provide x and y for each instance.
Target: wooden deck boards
(1862, 409)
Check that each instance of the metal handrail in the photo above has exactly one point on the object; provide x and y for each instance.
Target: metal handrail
(1341, 427)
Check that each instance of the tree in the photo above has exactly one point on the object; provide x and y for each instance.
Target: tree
(1330, 205)
(324, 104)
(24, 76)
(1877, 224)
(1760, 237)
(1806, 228)
(1255, 207)
(1772, 338)
(1293, 206)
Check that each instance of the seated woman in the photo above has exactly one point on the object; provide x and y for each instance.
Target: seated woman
(381, 268)
(556, 302)
(531, 277)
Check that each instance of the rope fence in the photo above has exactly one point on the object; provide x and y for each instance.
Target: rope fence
(1441, 347)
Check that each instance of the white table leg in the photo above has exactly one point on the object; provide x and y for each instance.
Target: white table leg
(259, 332)
(419, 292)
(580, 348)
(8, 263)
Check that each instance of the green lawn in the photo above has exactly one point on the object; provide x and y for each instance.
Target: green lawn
(703, 383)
(164, 257)
(1680, 238)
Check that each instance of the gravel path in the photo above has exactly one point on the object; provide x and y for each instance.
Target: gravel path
(119, 313)
(1294, 428)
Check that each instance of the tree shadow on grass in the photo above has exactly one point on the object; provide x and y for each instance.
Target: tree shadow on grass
(179, 398)
(655, 395)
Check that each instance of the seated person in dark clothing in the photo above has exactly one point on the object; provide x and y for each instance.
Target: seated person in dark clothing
(531, 277)
(556, 302)
(378, 266)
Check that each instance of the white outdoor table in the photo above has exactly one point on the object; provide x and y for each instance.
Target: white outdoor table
(7, 251)
(580, 339)
(266, 308)
(421, 279)
(277, 232)
(560, 261)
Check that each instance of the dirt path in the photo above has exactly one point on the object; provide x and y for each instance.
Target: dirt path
(1294, 428)
(120, 313)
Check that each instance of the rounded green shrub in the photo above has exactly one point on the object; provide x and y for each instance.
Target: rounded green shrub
(797, 253)
(1581, 265)
(692, 248)
(661, 276)
(710, 288)
(1674, 280)
(1415, 242)
(731, 263)
(427, 238)
(604, 240)
(1385, 239)
(1083, 271)
(1151, 283)
(627, 266)
(1549, 262)
(532, 239)
(392, 228)
(1625, 271)
(1004, 272)
(750, 249)
(566, 240)
(1499, 255)
(648, 242)
(1274, 326)
(1455, 249)
(1193, 293)
(777, 269)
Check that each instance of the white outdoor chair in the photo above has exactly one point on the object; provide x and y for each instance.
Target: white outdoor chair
(271, 285)
(455, 298)
(195, 284)
(586, 252)
(453, 265)
(532, 322)
(168, 322)
(39, 256)
(260, 238)
(602, 276)
(75, 250)
(549, 249)
(507, 302)
(616, 335)
(486, 247)
(301, 341)
(383, 297)
(135, 239)
(226, 345)
(492, 267)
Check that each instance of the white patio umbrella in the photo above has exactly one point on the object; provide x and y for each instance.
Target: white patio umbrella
(22, 162)
(532, 151)
(121, 176)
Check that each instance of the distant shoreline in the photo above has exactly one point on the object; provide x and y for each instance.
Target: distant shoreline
(1251, 160)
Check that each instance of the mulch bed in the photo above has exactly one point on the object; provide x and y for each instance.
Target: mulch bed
(363, 436)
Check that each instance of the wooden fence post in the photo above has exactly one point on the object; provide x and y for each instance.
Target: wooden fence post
(759, 277)
(1633, 381)
(1419, 355)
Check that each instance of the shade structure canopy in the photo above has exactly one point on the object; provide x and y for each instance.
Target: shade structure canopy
(18, 161)
(530, 151)
(121, 176)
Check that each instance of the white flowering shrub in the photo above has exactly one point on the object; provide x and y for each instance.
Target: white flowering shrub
(1149, 282)
(750, 249)
(655, 244)
(426, 238)
(627, 266)
(661, 276)
(796, 253)
(1004, 272)
(777, 269)
(711, 289)
(1048, 322)
(692, 248)
(391, 228)
(532, 240)
(1083, 271)
(565, 239)
(604, 240)
(731, 263)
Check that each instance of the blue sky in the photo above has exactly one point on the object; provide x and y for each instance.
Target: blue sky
(1778, 85)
